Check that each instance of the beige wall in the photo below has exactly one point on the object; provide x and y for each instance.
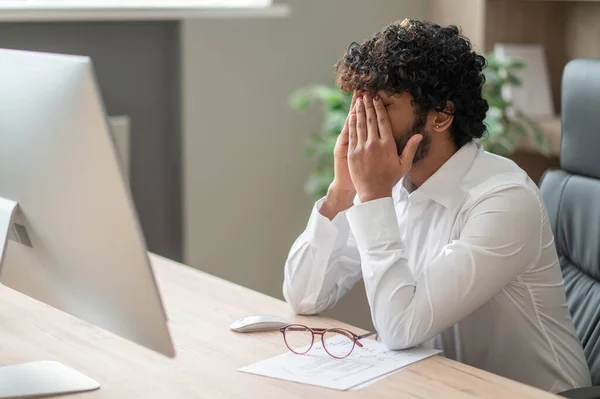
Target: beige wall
(469, 15)
(243, 165)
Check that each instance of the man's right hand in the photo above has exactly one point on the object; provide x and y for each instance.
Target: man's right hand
(341, 193)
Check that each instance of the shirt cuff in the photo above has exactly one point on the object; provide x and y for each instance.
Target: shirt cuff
(374, 225)
(324, 233)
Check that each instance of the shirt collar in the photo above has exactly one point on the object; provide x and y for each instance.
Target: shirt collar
(444, 186)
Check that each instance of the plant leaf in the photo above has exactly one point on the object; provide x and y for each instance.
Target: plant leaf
(513, 80)
(334, 122)
(517, 64)
(503, 145)
(300, 100)
(331, 97)
(519, 128)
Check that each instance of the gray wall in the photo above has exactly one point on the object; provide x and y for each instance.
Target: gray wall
(243, 166)
(137, 65)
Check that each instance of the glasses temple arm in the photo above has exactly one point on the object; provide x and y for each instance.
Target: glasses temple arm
(366, 335)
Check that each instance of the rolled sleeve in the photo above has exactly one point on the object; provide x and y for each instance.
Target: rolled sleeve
(326, 234)
(323, 263)
(374, 225)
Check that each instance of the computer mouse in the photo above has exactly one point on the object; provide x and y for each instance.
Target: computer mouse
(259, 322)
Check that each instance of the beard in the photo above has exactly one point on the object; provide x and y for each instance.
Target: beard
(418, 127)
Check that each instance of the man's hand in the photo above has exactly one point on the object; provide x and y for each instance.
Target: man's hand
(374, 164)
(342, 181)
(341, 191)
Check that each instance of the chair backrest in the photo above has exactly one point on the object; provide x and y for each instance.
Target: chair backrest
(572, 197)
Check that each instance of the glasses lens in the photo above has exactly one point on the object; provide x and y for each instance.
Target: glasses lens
(338, 343)
(298, 338)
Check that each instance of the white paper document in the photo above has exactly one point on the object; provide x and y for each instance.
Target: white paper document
(316, 367)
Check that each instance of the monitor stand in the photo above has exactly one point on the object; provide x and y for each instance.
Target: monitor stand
(36, 379)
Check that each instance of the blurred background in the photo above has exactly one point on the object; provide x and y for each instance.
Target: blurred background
(214, 103)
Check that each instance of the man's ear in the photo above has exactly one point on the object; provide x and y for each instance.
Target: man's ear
(443, 120)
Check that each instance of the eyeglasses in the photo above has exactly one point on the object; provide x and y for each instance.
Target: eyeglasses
(337, 342)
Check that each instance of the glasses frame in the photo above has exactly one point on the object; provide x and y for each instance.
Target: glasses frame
(322, 331)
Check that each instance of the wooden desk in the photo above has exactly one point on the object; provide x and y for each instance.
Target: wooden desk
(200, 309)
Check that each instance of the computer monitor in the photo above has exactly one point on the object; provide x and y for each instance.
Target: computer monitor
(74, 240)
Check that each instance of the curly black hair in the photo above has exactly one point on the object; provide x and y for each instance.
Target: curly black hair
(434, 64)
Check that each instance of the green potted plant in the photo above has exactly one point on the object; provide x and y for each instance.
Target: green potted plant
(506, 125)
(336, 105)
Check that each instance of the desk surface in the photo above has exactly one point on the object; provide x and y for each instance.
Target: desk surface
(200, 309)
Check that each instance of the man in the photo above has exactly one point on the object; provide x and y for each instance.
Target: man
(453, 243)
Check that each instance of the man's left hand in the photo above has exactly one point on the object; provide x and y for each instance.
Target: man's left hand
(373, 161)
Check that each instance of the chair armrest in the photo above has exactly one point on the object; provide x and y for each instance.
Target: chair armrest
(582, 393)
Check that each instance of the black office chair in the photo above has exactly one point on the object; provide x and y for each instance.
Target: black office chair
(572, 196)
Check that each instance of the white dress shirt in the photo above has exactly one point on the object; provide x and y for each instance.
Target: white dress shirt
(465, 263)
